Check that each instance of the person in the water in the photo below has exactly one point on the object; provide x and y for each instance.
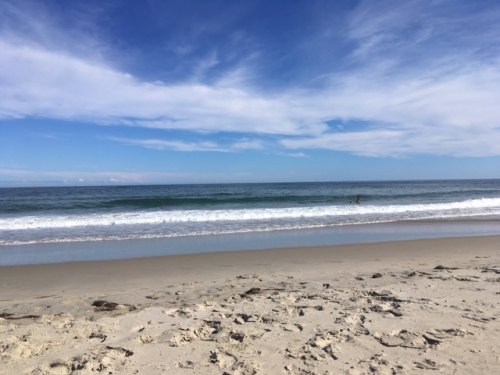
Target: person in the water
(358, 199)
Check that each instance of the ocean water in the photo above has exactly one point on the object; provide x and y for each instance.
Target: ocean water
(73, 214)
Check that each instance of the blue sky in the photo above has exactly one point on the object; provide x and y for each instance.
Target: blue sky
(137, 92)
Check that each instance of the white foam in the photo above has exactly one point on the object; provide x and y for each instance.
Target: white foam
(466, 208)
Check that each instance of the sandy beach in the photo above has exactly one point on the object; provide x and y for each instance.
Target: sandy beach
(423, 306)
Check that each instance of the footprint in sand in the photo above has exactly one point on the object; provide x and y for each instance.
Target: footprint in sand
(478, 318)
(427, 364)
(403, 338)
(105, 306)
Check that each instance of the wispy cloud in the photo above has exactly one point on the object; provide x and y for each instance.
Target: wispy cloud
(426, 83)
(25, 177)
(299, 155)
(159, 144)
(423, 80)
(247, 144)
(199, 146)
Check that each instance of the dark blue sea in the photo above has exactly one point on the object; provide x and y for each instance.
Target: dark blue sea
(52, 215)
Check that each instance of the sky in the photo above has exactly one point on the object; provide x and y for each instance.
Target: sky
(179, 91)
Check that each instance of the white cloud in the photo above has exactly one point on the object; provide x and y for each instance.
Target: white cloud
(453, 114)
(42, 83)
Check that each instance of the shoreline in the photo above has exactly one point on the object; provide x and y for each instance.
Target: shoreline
(113, 273)
(64, 252)
(403, 307)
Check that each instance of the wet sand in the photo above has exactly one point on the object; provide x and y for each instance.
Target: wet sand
(423, 306)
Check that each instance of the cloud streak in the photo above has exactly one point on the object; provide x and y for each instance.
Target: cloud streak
(199, 146)
(25, 177)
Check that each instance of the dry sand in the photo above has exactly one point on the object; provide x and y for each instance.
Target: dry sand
(426, 306)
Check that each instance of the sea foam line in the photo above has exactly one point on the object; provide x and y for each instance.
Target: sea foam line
(237, 215)
(69, 237)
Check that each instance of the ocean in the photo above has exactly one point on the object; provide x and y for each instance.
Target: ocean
(47, 215)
